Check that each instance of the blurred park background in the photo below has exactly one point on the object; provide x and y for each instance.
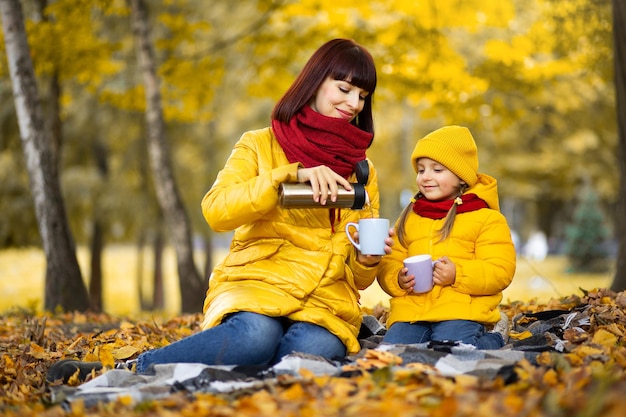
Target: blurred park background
(532, 79)
(23, 285)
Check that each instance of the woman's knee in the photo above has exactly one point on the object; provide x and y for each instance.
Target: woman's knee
(255, 325)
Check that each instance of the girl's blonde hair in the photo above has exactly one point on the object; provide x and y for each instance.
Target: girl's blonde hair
(445, 230)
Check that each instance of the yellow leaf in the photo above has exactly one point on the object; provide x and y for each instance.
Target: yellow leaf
(125, 400)
(124, 352)
(111, 332)
(550, 377)
(9, 365)
(37, 351)
(106, 357)
(620, 357)
(584, 351)
(616, 329)
(75, 343)
(574, 359)
(74, 380)
(604, 338)
(306, 373)
(466, 381)
(520, 336)
(514, 402)
(293, 393)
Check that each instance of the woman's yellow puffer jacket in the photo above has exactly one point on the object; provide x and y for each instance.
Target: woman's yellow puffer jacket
(293, 263)
(480, 245)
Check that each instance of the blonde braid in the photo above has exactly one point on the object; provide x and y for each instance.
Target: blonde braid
(446, 229)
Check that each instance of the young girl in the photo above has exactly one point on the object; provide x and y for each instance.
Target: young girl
(455, 218)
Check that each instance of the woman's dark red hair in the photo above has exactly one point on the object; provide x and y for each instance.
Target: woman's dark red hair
(340, 59)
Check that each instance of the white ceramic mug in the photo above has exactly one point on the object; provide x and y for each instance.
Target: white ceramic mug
(372, 235)
(421, 267)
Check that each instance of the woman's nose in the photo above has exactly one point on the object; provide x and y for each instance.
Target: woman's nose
(353, 100)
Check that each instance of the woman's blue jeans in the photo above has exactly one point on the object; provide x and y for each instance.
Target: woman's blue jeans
(245, 338)
(465, 331)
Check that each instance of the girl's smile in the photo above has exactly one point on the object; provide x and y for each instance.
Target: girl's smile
(435, 181)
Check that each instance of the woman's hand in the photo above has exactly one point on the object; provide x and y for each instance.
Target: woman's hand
(444, 272)
(371, 260)
(323, 181)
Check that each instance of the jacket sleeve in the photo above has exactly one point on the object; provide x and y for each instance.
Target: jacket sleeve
(494, 266)
(364, 275)
(244, 191)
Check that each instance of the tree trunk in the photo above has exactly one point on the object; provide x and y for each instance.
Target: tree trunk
(95, 283)
(64, 286)
(97, 238)
(619, 36)
(143, 306)
(190, 283)
(158, 301)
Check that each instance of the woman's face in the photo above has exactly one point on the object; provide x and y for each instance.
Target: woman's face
(338, 98)
(435, 181)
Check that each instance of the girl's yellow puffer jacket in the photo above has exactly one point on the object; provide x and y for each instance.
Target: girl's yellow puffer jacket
(294, 263)
(480, 245)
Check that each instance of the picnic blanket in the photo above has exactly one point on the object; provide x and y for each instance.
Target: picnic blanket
(543, 331)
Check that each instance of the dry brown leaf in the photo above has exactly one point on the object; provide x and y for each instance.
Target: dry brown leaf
(387, 357)
(558, 384)
(37, 351)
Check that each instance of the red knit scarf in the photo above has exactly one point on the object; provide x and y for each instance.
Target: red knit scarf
(439, 209)
(313, 139)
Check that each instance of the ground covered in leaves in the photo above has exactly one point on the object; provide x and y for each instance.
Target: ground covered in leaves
(587, 379)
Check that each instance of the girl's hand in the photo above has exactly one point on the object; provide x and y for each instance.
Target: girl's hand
(406, 282)
(371, 260)
(444, 272)
(323, 180)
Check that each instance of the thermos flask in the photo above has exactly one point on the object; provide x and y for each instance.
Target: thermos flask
(300, 195)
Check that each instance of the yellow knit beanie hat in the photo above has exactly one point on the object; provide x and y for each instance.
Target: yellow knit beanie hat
(454, 148)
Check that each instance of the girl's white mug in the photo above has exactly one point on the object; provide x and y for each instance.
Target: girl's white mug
(372, 235)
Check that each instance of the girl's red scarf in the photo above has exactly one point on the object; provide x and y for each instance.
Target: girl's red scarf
(313, 139)
(439, 209)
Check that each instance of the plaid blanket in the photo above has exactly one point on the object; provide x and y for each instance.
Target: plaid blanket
(446, 358)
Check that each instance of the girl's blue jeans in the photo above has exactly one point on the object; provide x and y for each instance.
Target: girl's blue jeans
(245, 338)
(465, 331)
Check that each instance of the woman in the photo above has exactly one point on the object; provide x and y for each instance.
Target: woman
(291, 280)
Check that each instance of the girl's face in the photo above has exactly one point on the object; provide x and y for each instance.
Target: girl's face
(436, 182)
(339, 99)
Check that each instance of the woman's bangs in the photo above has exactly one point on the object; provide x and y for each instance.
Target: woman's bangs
(356, 69)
